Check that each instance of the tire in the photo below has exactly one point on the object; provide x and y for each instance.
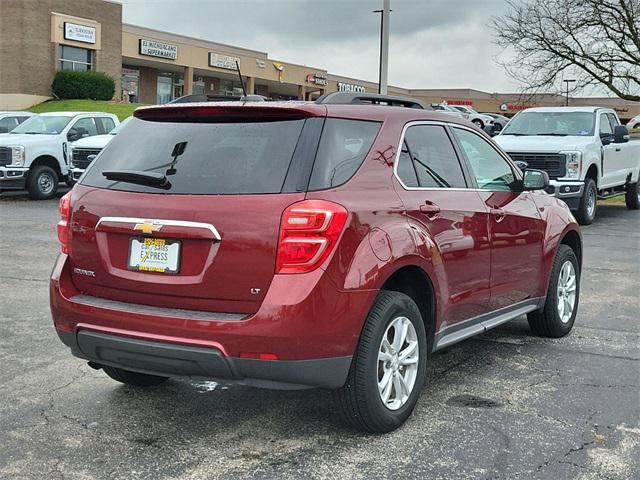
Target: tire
(632, 196)
(359, 401)
(133, 378)
(549, 322)
(586, 211)
(479, 123)
(42, 183)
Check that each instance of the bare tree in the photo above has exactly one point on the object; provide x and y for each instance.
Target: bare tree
(596, 42)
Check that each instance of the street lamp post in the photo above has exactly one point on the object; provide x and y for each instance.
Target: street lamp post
(568, 82)
(384, 46)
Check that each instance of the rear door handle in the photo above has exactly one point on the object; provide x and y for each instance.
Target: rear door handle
(498, 213)
(431, 209)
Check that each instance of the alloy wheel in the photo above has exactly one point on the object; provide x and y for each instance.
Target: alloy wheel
(567, 284)
(398, 357)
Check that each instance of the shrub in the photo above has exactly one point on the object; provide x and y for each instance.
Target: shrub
(68, 84)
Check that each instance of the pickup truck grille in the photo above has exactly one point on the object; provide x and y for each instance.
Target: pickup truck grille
(80, 155)
(5, 156)
(554, 164)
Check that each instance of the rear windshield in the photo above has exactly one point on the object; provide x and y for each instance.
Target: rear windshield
(216, 158)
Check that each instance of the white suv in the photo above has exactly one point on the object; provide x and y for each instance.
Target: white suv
(35, 153)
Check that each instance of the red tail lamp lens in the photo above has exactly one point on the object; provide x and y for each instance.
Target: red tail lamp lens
(64, 225)
(309, 231)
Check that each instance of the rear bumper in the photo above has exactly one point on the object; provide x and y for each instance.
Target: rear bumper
(170, 360)
(309, 325)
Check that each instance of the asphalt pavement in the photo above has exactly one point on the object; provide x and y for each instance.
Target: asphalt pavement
(504, 405)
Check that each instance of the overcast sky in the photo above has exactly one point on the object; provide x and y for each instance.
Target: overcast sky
(433, 43)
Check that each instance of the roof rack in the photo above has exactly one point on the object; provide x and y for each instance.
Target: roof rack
(352, 98)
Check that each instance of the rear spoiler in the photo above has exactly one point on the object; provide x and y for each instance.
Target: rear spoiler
(229, 112)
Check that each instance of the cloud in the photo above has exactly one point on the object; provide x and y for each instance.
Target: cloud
(433, 43)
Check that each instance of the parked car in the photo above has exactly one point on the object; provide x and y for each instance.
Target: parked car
(585, 151)
(332, 244)
(499, 121)
(444, 108)
(10, 120)
(82, 152)
(479, 119)
(634, 123)
(34, 154)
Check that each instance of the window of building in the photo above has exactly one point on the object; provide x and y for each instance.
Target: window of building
(74, 58)
(230, 88)
(429, 160)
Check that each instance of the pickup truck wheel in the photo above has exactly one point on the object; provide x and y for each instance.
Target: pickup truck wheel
(42, 183)
(632, 197)
(389, 367)
(133, 378)
(588, 203)
(559, 313)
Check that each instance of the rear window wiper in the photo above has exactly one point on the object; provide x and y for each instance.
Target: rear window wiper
(139, 177)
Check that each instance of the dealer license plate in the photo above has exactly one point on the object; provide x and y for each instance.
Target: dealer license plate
(154, 255)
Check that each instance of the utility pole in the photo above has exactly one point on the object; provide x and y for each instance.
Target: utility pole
(384, 46)
(568, 82)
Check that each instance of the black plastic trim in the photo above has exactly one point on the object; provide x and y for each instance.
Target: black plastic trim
(173, 360)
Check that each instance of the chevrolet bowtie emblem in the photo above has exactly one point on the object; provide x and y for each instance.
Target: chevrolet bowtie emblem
(148, 226)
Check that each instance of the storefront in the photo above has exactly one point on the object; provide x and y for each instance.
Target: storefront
(151, 66)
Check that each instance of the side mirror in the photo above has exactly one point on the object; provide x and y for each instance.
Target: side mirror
(535, 180)
(620, 134)
(73, 135)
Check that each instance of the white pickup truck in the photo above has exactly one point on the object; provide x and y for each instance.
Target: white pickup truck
(585, 151)
(35, 153)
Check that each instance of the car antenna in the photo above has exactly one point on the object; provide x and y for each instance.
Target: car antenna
(244, 90)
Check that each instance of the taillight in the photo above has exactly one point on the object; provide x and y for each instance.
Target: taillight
(64, 225)
(308, 233)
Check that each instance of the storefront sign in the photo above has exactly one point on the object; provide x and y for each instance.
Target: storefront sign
(350, 87)
(158, 49)
(261, 63)
(223, 61)
(317, 79)
(460, 102)
(79, 33)
(504, 107)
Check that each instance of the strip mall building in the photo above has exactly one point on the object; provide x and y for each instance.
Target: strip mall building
(39, 37)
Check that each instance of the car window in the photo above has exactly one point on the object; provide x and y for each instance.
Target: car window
(405, 170)
(22, 119)
(105, 124)
(7, 124)
(343, 146)
(613, 120)
(218, 158)
(491, 170)
(42, 125)
(435, 162)
(605, 126)
(86, 127)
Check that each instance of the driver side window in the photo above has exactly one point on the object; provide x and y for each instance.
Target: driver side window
(605, 126)
(491, 171)
(86, 127)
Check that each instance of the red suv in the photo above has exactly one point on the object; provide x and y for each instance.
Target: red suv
(334, 244)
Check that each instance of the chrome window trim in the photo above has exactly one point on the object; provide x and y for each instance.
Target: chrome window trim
(164, 222)
(444, 125)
